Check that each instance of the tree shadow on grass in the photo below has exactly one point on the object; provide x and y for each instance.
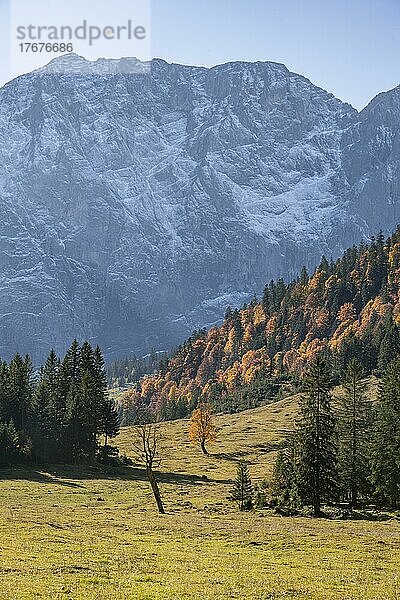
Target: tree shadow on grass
(241, 455)
(231, 456)
(35, 476)
(271, 446)
(191, 479)
(63, 474)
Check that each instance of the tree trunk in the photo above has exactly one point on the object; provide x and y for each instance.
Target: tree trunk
(203, 447)
(156, 491)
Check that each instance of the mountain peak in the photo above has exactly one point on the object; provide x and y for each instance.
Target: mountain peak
(73, 63)
(70, 60)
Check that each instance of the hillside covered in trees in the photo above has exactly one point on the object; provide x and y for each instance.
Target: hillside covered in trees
(130, 369)
(346, 309)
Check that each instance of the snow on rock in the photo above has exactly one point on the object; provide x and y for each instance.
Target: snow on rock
(138, 200)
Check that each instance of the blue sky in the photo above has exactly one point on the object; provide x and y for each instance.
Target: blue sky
(349, 47)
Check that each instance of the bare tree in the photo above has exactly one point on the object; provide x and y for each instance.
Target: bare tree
(146, 449)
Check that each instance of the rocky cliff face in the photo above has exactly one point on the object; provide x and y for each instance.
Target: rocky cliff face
(371, 162)
(136, 206)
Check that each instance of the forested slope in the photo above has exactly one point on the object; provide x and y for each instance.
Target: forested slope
(346, 309)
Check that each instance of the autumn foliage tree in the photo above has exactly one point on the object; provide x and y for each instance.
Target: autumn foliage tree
(202, 430)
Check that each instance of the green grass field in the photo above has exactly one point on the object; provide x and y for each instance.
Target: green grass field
(96, 535)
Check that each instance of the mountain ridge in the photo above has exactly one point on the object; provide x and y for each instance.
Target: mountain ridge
(134, 209)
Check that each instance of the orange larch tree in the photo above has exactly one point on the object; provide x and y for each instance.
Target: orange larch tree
(202, 430)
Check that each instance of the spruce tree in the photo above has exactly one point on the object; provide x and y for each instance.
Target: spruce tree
(316, 475)
(68, 384)
(389, 346)
(266, 300)
(304, 276)
(72, 364)
(9, 444)
(5, 408)
(19, 391)
(386, 441)
(355, 417)
(284, 486)
(47, 418)
(242, 491)
(86, 358)
(81, 433)
(280, 292)
(92, 401)
(101, 399)
(84, 384)
(110, 423)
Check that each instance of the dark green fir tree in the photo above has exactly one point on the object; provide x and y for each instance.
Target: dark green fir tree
(386, 441)
(316, 473)
(110, 422)
(47, 418)
(354, 426)
(242, 491)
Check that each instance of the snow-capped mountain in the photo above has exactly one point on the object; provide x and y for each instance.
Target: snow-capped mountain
(138, 201)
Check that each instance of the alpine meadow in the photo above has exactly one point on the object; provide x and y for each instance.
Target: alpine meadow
(200, 301)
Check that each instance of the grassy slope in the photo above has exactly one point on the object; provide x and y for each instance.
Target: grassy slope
(73, 534)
